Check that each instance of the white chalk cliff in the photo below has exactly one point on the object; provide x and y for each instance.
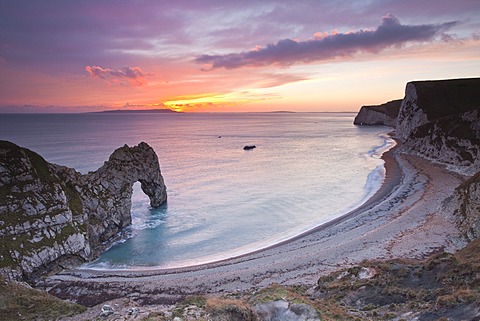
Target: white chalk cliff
(440, 120)
(384, 114)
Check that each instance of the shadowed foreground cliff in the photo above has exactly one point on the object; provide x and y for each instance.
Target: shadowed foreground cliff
(52, 217)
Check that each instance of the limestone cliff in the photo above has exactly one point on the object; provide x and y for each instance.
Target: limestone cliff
(440, 120)
(427, 101)
(384, 114)
(52, 216)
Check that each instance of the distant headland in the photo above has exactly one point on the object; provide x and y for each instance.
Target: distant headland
(140, 111)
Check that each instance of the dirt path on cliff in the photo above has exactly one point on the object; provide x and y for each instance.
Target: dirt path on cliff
(402, 220)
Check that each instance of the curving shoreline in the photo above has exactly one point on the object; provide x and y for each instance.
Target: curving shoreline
(391, 180)
(395, 223)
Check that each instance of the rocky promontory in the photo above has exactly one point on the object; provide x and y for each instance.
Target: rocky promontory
(52, 217)
(385, 114)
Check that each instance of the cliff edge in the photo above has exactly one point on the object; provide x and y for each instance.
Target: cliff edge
(52, 217)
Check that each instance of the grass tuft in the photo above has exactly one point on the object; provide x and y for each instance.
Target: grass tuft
(18, 302)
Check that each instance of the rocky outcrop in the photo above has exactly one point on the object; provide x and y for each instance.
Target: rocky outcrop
(384, 114)
(440, 120)
(465, 206)
(283, 310)
(52, 216)
(452, 140)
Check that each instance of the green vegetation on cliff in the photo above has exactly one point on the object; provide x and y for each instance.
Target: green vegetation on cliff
(440, 98)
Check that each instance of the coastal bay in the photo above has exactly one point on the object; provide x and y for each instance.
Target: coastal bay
(400, 221)
(240, 160)
(408, 252)
(307, 169)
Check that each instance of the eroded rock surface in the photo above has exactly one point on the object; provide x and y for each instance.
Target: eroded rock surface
(438, 120)
(53, 217)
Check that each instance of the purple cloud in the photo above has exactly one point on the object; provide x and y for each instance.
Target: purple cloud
(57, 36)
(127, 75)
(390, 33)
(60, 37)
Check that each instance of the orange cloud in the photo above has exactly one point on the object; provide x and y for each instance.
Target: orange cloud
(133, 76)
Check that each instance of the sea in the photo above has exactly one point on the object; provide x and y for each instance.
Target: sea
(223, 201)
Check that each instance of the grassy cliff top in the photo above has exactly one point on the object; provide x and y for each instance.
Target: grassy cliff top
(439, 98)
(22, 303)
(389, 108)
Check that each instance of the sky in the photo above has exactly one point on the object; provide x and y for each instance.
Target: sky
(228, 56)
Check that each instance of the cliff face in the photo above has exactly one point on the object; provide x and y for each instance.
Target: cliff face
(440, 120)
(52, 216)
(452, 140)
(384, 114)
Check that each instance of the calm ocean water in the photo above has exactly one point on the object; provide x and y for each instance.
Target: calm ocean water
(307, 169)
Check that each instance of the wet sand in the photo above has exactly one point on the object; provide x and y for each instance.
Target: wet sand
(402, 220)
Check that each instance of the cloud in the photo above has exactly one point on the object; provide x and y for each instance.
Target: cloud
(133, 76)
(390, 33)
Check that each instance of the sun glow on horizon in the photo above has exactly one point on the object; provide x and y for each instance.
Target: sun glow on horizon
(176, 56)
(210, 102)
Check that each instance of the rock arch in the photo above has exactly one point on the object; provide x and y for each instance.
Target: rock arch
(52, 216)
(109, 206)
